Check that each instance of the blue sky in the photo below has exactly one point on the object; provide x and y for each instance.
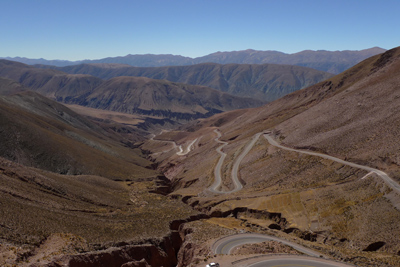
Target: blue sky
(91, 29)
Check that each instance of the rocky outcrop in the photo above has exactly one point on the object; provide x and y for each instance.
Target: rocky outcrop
(153, 253)
(142, 263)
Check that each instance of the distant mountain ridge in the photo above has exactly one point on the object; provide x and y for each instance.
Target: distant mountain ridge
(330, 61)
(265, 82)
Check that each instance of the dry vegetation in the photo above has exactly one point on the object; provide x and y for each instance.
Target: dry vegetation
(41, 133)
(36, 204)
(354, 116)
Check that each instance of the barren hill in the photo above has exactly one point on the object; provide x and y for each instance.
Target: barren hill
(150, 97)
(8, 87)
(69, 186)
(265, 82)
(42, 133)
(51, 83)
(343, 209)
(142, 96)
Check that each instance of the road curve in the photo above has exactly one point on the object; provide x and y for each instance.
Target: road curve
(174, 146)
(217, 170)
(226, 244)
(182, 152)
(235, 169)
(389, 181)
(293, 261)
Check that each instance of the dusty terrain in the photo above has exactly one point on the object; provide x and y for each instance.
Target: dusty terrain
(79, 193)
(347, 213)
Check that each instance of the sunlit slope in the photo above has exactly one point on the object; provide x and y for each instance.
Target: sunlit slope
(352, 116)
(260, 81)
(40, 132)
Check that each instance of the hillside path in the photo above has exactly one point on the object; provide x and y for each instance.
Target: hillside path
(389, 181)
(182, 152)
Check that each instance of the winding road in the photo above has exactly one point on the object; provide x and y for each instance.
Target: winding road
(226, 244)
(389, 181)
(235, 169)
(182, 152)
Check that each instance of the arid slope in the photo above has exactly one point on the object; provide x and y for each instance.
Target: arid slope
(69, 186)
(141, 96)
(265, 82)
(138, 95)
(42, 133)
(353, 116)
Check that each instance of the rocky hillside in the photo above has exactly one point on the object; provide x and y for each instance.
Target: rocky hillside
(344, 210)
(265, 82)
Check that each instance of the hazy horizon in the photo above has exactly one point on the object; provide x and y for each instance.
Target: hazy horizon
(75, 30)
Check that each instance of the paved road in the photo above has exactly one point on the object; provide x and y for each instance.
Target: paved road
(293, 261)
(235, 169)
(181, 152)
(217, 171)
(226, 244)
(389, 181)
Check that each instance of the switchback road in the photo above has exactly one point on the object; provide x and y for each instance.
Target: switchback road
(182, 152)
(235, 169)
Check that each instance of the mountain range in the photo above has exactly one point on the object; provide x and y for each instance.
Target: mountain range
(265, 82)
(132, 95)
(329, 61)
(318, 167)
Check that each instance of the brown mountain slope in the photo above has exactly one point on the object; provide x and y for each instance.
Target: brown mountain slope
(136, 95)
(8, 87)
(45, 216)
(68, 186)
(51, 83)
(265, 82)
(150, 98)
(352, 116)
(39, 132)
